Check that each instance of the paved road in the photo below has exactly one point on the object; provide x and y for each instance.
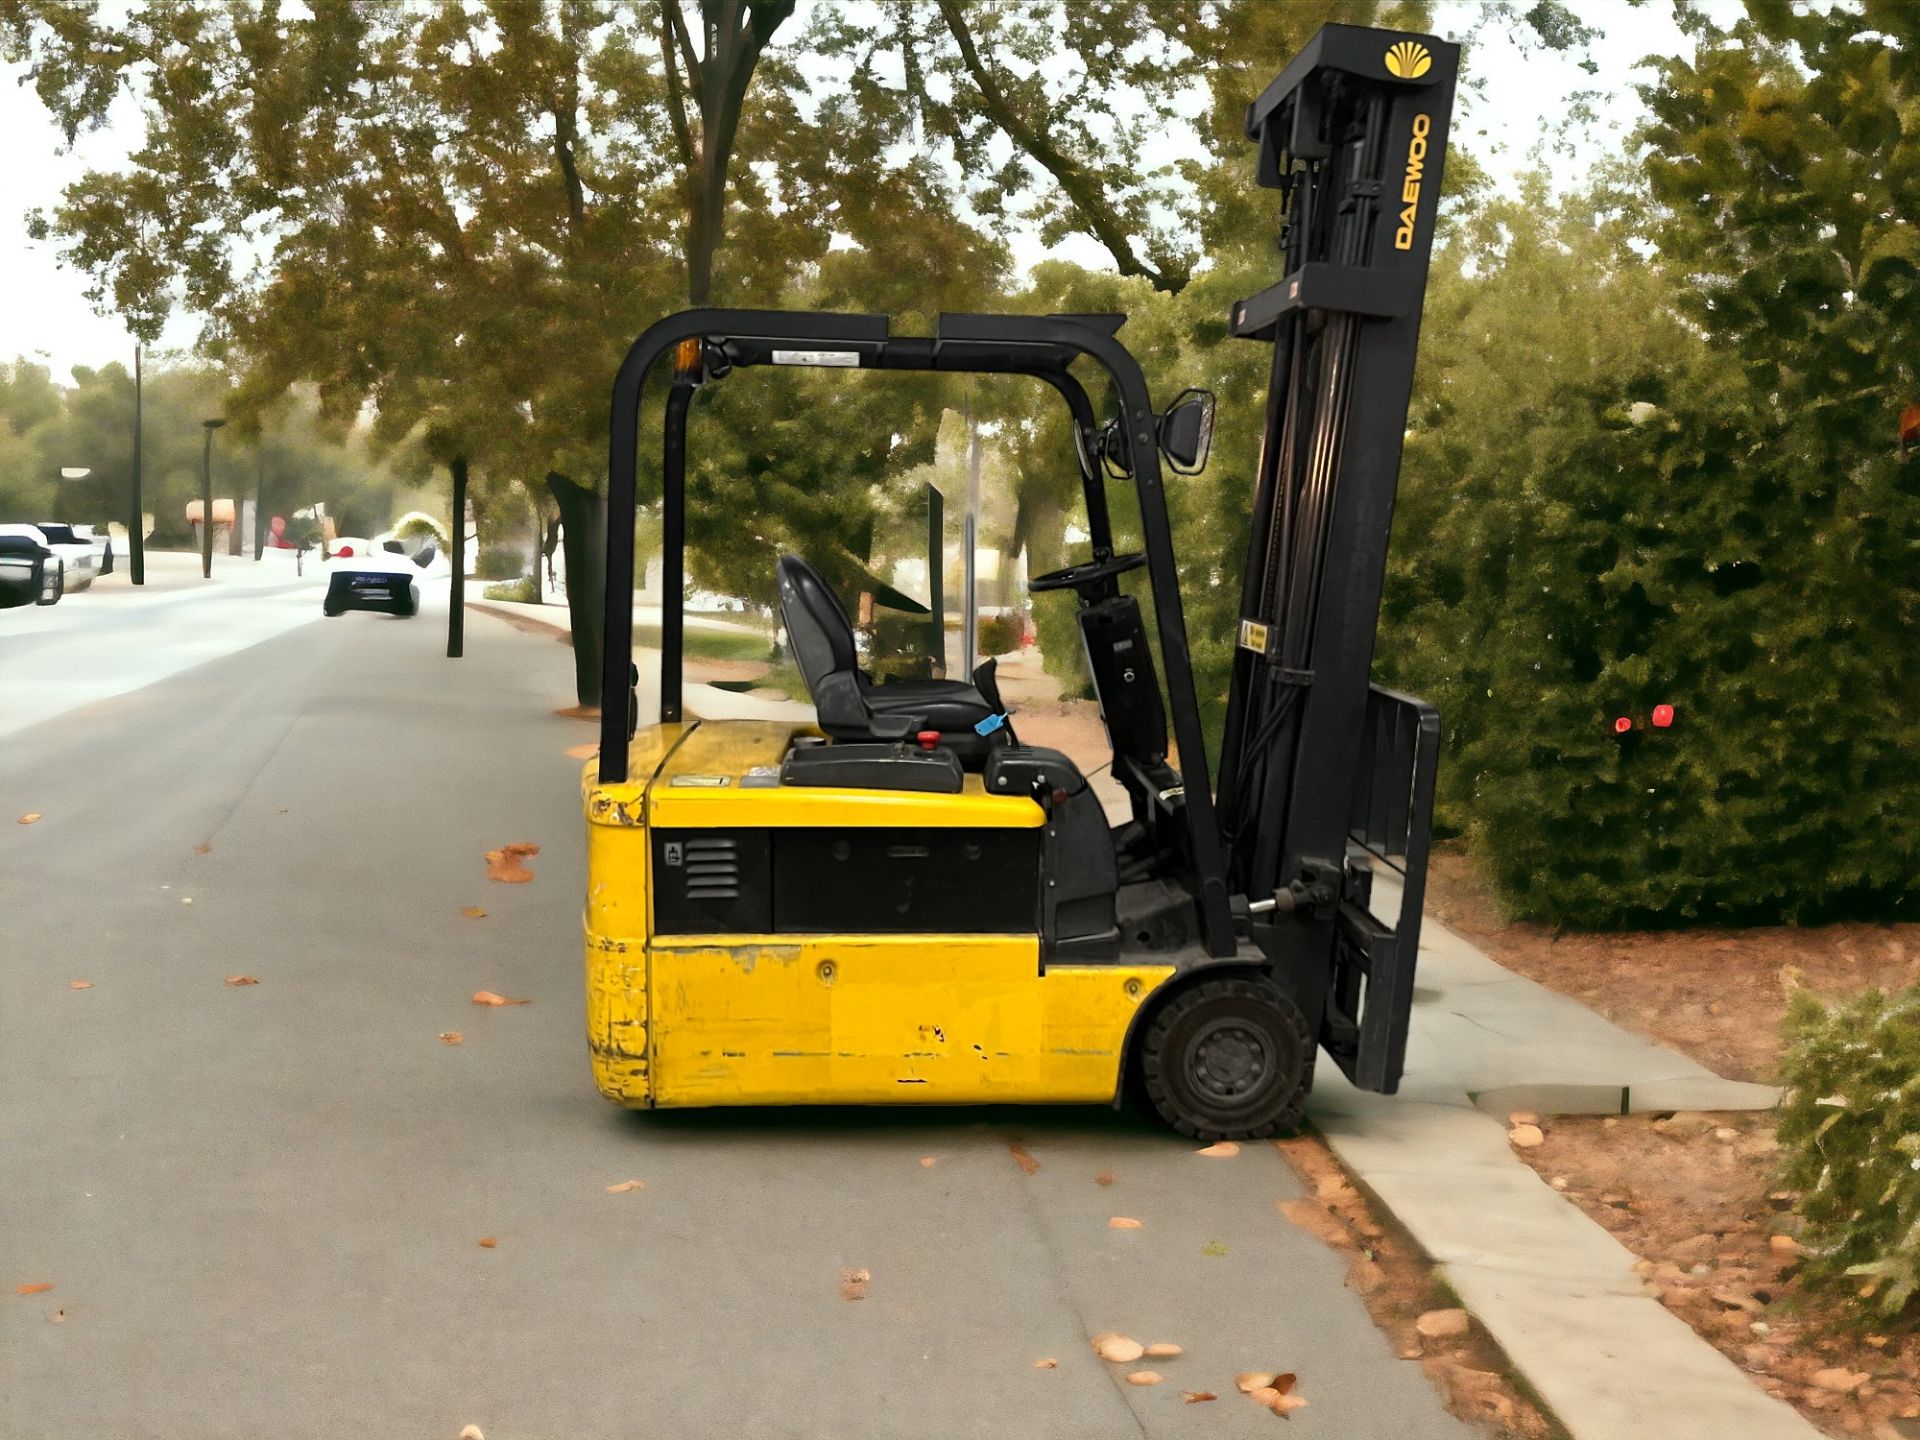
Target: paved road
(260, 1207)
(112, 638)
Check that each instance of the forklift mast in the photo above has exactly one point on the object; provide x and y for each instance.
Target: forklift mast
(1325, 779)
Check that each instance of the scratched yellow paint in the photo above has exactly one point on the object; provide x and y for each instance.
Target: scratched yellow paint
(850, 1019)
(884, 1019)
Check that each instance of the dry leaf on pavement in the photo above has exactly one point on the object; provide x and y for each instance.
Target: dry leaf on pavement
(853, 1284)
(926, 1162)
(489, 1242)
(80, 984)
(474, 912)
(205, 847)
(1254, 1380)
(29, 818)
(38, 1287)
(504, 864)
(1145, 1377)
(241, 980)
(1105, 1177)
(487, 997)
(625, 1185)
(1198, 1397)
(1048, 1364)
(1021, 1158)
(1162, 1351)
(1442, 1324)
(1122, 1222)
(470, 1432)
(1120, 1349)
(1285, 1405)
(1219, 1150)
(451, 1037)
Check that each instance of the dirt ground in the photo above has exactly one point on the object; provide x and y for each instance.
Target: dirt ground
(1698, 1196)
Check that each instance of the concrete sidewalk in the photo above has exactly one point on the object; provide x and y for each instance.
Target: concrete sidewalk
(1554, 1288)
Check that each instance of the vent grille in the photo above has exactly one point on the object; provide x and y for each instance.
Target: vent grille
(713, 868)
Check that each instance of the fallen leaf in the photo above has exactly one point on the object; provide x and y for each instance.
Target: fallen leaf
(582, 752)
(1219, 1150)
(1162, 1351)
(1120, 1349)
(470, 1432)
(1265, 1395)
(38, 1287)
(29, 819)
(1523, 1117)
(1198, 1397)
(1215, 1248)
(1121, 1222)
(1285, 1405)
(1526, 1137)
(853, 1284)
(487, 997)
(1145, 1377)
(625, 1185)
(504, 864)
(1285, 1381)
(1441, 1324)
(1254, 1380)
(926, 1162)
(474, 912)
(80, 984)
(489, 1242)
(1105, 1177)
(1021, 1158)
(205, 847)
(1048, 1364)
(241, 980)
(451, 1037)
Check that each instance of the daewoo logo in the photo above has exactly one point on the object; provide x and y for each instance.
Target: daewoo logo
(1409, 60)
(1410, 190)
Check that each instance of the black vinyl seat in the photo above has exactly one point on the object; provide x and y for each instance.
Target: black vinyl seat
(852, 707)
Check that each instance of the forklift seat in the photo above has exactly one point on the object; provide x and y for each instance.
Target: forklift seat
(850, 706)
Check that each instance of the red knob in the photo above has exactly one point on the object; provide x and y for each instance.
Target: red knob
(928, 739)
(1622, 725)
(1663, 716)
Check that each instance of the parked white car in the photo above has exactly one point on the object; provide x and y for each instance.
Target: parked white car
(76, 555)
(102, 544)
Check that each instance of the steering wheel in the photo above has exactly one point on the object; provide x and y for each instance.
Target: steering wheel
(1091, 573)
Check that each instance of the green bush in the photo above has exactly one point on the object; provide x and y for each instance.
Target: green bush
(499, 562)
(1850, 1131)
(999, 634)
(524, 591)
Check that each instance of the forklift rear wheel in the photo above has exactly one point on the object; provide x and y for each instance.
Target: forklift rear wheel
(1228, 1059)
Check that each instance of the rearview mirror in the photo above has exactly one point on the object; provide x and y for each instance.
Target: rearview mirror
(1186, 432)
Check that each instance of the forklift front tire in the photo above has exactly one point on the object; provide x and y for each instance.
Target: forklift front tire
(1228, 1059)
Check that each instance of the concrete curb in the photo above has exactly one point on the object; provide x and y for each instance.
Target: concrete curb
(1552, 1287)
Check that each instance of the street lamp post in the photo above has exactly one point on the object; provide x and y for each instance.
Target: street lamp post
(136, 522)
(206, 500)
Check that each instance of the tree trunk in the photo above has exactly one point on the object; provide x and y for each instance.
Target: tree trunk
(583, 534)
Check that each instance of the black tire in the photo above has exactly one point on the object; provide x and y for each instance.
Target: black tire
(1228, 1059)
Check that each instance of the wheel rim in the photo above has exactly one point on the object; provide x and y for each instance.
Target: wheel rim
(1230, 1063)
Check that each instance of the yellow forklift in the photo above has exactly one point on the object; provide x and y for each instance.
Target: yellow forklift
(902, 903)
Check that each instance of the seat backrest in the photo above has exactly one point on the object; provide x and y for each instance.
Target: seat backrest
(817, 627)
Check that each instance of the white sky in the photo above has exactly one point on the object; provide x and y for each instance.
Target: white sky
(48, 318)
